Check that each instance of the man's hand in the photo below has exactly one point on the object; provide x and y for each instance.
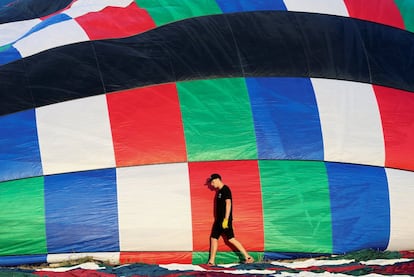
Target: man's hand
(225, 223)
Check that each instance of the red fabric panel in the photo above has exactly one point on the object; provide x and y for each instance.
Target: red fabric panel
(243, 179)
(396, 108)
(395, 269)
(380, 11)
(115, 22)
(407, 254)
(156, 257)
(146, 126)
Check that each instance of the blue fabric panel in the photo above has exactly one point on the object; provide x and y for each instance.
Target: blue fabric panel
(228, 6)
(359, 207)
(271, 256)
(49, 21)
(9, 54)
(286, 118)
(81, 212)
(19, 154)
(24, 259)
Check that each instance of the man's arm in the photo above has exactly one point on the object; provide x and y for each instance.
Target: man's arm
(228, 208)
(225, 223)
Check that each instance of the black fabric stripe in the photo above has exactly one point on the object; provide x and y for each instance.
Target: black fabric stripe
(271, 43)
(18, 10)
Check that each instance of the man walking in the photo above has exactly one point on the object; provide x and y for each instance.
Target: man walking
(223, 219)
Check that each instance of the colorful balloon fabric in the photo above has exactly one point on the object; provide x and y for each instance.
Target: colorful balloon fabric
(113, 114)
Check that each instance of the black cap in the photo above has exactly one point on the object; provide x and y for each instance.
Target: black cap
(214, 176)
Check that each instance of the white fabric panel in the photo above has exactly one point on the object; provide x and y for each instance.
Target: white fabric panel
(350, 122)
(12, 31)
(62, 33)
(75, 135)
(401, 191)
(82, 7)
(106, 257)
(334, 7)
(154, 207)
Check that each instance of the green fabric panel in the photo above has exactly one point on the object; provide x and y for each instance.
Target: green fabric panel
(217, 118)
(368, 254)
(406, 8)
(166, 11)
(296, 206)
(227, 257)
(22, 217)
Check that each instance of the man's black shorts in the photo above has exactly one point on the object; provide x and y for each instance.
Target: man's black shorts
(218, 230)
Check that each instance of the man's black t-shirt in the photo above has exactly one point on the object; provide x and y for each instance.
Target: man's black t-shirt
(220, 203)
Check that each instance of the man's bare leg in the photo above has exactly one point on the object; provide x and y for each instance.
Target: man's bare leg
(213, 250)
(239, 246)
